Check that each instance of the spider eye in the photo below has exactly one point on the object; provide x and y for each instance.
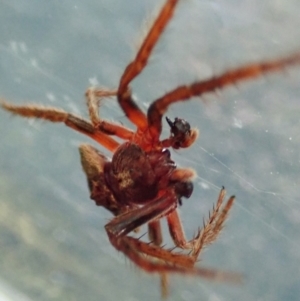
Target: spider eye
(180, 130)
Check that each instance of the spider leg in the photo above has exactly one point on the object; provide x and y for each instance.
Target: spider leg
(155, 236)
(93, 97)
(181, 260)
(128, 246)
(205, 236)
(154, 210)
(212, 228)
(231, 77)
(58, 115)
(154, 232)
(141, 59)
(134, 249)
(177, 232)
(126, 102)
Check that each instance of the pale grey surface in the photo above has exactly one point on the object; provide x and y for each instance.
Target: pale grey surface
(53, 245)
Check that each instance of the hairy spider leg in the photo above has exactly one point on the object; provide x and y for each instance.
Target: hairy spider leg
(204, 237)
(130, 108)
(154, 233)
(128, 246)
(134, 249)
(212, 228)
(58, 115)
(231, 77)
(93, 98)
(155, 238)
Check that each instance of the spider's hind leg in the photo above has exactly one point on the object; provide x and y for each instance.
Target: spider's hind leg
(206, 235)
(155, 236)
(213, 226)
(58, 115)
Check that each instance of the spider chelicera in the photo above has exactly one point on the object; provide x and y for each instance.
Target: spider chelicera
(141, 183)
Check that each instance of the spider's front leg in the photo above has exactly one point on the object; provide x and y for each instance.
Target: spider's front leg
(229, 78)
(141, 59)
(130, 108)
(153, 210)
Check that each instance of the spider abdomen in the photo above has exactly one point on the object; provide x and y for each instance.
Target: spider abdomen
(136, 176)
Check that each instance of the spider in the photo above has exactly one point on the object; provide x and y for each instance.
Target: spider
(141, 184)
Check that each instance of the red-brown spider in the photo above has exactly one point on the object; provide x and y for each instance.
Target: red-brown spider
(141, 184)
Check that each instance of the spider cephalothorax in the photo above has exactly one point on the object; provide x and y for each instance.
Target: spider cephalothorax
(141, 183)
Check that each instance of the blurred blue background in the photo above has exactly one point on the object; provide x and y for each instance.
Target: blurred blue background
(52, 241)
